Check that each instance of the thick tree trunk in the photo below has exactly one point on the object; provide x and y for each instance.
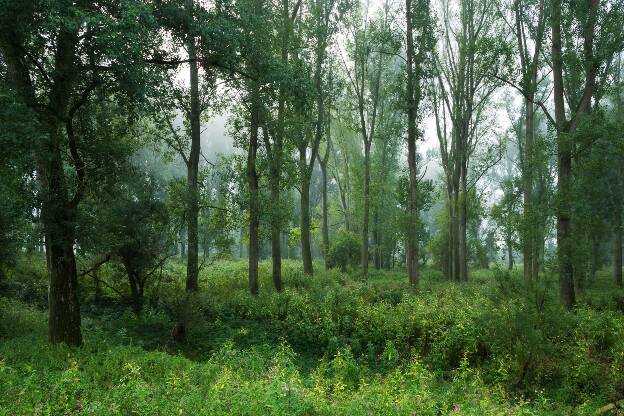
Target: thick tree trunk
(252, 178)
(192, 270)
(617, 248)
(136, 289)
(63, 306)
(412, 229)
(306, 250)
(366, 211)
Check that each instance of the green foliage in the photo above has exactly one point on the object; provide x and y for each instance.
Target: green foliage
(345, 250)
(328, 345)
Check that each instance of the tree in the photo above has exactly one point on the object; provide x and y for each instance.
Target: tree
(419, 54)
(469, 51)
(365, 76)
(56, 63)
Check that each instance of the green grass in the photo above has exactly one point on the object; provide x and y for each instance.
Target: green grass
(327, 345)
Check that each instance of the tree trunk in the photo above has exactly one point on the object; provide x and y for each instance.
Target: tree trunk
(462, 246)
(325, 214)
(276, 236)
(192, 270)
(564, 167)
(63, 306)
(527, 194)
(376, 240)
(412, 229)
(136, 291)
(252, 178)
(617, 248)
(366, 210)
(510, 259)
(306, 251)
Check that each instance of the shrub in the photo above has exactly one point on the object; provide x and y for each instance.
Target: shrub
(344, 250)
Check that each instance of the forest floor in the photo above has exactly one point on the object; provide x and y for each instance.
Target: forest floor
(326, 345)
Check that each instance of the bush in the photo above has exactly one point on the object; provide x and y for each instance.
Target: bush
(344, 251)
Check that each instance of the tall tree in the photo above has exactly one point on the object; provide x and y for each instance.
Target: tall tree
(417, 16)
(56, 62)
(468, 51)
(364, 74)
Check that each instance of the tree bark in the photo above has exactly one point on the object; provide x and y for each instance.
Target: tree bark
(192, 269)
(306, 251)
(252, 178)
(325, 214)
(527, 194)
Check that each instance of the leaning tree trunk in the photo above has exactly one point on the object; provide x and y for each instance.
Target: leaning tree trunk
(192, 269)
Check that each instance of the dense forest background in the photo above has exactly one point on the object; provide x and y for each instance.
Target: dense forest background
(311, 207)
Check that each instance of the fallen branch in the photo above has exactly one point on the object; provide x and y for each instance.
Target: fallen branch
(610, 406)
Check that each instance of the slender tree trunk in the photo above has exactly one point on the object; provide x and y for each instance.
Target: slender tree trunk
(252, 178)
(527, 194)
(463, 247)
(192, 270)
(376, 240)
(325, 214)
(510, 259)
(617, 247)
(412, 231)
(366, 210)
(306, 251)
(276, 235)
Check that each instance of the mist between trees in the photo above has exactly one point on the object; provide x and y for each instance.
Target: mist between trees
(387, 137)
